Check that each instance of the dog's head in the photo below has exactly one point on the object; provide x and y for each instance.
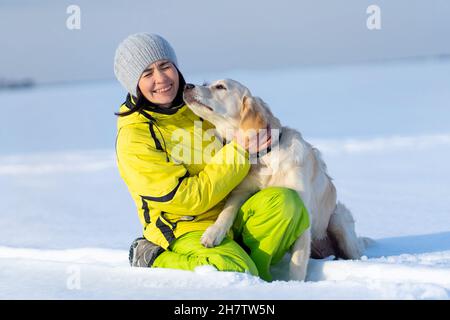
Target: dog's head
(227, 104)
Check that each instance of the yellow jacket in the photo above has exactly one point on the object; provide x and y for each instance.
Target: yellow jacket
(177, 177)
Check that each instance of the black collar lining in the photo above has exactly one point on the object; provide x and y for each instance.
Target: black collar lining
(130, 104)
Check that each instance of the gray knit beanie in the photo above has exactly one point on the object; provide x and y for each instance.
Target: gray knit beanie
(135, 53)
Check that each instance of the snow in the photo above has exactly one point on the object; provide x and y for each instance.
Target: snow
(105, 274)
(67, 219)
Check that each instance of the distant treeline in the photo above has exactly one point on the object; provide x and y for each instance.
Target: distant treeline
(16, 84)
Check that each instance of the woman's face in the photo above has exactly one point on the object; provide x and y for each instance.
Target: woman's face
(159, 83)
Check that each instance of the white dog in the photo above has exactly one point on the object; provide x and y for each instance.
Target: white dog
(292, 162)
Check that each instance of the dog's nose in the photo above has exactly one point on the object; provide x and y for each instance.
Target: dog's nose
(188, 86)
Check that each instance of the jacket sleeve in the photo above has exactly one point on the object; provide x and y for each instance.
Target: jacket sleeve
(168, 187)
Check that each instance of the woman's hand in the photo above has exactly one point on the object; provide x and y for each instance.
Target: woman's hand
(253, 142)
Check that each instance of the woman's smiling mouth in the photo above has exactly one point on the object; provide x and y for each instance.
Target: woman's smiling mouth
(163, 90)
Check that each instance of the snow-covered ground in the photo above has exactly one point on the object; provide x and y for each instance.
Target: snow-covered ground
(67, 219)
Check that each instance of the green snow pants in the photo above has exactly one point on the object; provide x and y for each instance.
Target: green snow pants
(266, 226)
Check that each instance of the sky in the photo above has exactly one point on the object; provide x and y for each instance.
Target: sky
(215, 36)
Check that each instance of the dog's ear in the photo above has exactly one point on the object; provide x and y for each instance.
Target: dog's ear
(246, 109)
(251, 116)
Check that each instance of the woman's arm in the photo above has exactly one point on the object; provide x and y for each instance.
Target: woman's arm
(168, 187)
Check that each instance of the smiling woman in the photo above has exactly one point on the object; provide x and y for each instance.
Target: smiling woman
(178, 200)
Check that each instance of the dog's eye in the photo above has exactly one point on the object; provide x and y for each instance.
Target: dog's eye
(220, 87)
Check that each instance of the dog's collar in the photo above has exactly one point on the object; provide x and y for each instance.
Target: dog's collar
(262, 153)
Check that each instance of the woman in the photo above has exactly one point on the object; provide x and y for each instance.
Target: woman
(176, 200)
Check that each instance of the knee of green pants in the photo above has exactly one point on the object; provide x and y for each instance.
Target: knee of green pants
(289, 199)
(282, 201)
(187, 253)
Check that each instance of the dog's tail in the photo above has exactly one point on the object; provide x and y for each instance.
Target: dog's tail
(341, 230)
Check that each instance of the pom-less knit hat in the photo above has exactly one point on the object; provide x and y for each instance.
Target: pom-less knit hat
(136, 53)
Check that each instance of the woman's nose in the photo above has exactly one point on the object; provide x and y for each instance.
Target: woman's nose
(159, 76)
(188, 86)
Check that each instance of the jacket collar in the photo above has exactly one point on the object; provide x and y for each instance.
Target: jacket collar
(148, 115)
(130, 103)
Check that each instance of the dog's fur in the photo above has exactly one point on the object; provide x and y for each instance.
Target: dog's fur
(292, 163)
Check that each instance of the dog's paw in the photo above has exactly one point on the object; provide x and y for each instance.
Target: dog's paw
(213, 236)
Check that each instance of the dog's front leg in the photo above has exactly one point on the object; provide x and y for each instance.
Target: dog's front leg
(300, 256)
(214, 235)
